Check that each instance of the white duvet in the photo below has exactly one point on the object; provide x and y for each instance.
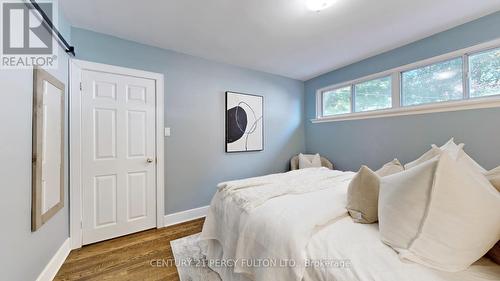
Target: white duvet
(252, 192)
(274, 233)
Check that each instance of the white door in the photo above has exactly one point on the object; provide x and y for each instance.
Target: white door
(118, 155)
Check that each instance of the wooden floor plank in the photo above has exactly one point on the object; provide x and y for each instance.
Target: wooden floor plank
(128, 257)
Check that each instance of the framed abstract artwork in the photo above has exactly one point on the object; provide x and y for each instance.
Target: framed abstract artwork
(244, 122)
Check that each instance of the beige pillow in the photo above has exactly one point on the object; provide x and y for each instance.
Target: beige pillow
(309, 161)
(494, 177)
(362, 195)
(439, 214)
(390, 168)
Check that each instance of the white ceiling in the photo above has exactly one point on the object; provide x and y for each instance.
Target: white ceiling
(275, 36)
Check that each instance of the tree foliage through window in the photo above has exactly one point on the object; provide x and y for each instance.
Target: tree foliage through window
(337, 101)
(372, 95)
(433, 83)
(485, 73)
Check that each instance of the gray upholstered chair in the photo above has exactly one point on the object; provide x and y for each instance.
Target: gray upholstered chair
(294, 162)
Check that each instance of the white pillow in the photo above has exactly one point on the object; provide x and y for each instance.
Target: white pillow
(435, 151)
(309, 161)
(452, 148)
(456, 151)
(441, 213)
(494, 177)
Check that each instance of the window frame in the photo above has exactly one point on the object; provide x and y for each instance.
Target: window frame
(485, 50)
(322, 99)
(465, 75)
(353, 92)
(396, 73)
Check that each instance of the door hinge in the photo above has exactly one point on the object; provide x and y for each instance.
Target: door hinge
(80, 86)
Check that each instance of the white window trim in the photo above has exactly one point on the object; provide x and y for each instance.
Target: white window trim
(397, 109)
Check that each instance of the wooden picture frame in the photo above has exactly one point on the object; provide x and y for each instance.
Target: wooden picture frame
(47, 166)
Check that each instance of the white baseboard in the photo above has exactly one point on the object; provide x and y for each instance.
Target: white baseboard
(55, 263)
(184, 216)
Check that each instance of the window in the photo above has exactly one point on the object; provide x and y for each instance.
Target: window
(452, 81)
(484, 73)
(337, 101)
(369, 95)
(373, 94)
(433, 83)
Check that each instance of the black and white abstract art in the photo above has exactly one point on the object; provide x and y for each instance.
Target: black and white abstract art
(244, 122)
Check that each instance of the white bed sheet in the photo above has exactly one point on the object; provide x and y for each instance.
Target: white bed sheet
(370, 259)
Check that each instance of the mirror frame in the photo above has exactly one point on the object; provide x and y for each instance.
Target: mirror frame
(37, 217)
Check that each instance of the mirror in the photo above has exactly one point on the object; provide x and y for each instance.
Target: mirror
(48, 147)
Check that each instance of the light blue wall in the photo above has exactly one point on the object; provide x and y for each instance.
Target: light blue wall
(373, 142)
(24, 254)
(194, 109)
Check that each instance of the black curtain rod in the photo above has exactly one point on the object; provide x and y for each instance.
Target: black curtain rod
(48, 23)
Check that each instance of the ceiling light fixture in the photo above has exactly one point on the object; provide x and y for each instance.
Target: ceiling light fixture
(318, 5)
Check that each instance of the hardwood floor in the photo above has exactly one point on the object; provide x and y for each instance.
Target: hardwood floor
(128, 257)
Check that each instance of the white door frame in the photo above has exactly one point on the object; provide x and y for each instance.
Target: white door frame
(75, 138)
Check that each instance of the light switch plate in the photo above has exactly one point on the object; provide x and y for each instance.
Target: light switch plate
(167, 132)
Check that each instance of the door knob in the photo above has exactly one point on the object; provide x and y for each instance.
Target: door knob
(149, 160)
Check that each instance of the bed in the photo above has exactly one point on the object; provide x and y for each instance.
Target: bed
(294, 226)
